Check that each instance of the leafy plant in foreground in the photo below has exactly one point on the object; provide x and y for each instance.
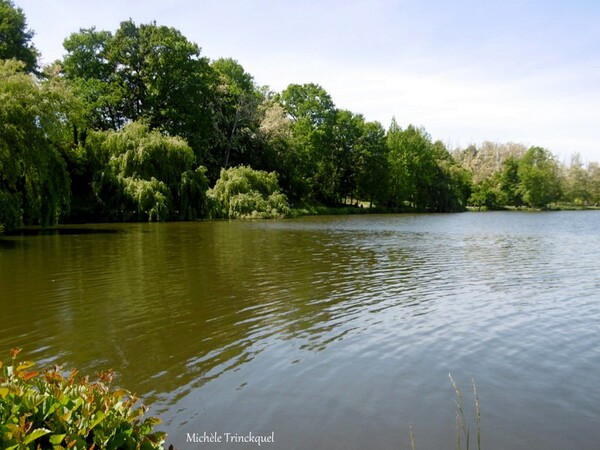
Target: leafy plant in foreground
(40, 410)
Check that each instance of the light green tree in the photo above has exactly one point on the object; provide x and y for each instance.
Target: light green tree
(147, 175)
(244, 193)
(34, 183)
(539, 178)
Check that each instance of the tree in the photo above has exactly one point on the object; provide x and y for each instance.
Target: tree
(539, 178)
(412, 167)
(34, 183)
(451, 186)
(147, 72)
(92, 75)
(373, 165)
(577, 182)
(280, 153)
(237, 101)
(509, 182)
(313, 115)
(244, 193)
(485, 195)
(148, 175)
(15, 38)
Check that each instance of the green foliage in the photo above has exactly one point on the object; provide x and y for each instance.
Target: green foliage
(423, 175)
(539, 181)
(314, 118)
(34, 121)
(309, 102)
(54, 410)
(133, 125)
(373, 164)
(244, 193)
(147, 72)
(237, 103)
(147, 175)
(15, 38)
(487, 196)
(509, 182)
(150, 198)
(11, 212)
(577, 183)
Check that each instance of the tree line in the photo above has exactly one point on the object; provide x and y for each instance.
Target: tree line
(137, 125)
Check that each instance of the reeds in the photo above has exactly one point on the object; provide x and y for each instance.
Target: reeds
(463, 432)
(462, 426)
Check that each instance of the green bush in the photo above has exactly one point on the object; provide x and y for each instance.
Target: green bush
(55, 411)
(244, 193)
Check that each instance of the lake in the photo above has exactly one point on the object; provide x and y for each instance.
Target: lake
(327, 332)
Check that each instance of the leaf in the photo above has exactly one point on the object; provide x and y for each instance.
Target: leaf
(24, 365)
(99, 417)
(56, 439)
(35, 434)
(29, 375)
(3, 392)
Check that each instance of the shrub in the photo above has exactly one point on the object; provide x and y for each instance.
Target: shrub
(244, 193)
(53, 410)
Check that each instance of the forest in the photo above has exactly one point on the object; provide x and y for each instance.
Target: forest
(135, 124)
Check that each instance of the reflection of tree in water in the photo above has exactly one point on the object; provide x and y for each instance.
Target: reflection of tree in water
(172, 306)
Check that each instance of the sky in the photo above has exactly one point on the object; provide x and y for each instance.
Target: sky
(468, 71)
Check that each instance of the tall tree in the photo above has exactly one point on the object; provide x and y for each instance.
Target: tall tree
(373, 164)
(539, 177)
(412, 167)
(34, 183)
(313, 114)
(237, 103)
(577, 182)
(15, 37)
(147, 72)
(93, 77)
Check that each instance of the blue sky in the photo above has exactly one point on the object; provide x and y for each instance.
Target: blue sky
(466, 70)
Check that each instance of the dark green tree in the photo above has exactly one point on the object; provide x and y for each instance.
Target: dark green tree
(373, 164)
(93, 77)
(451, 184)
(237, 112)
(509, 182)
(15, 37)
(147, 72)
(313, 114)
(412, 167)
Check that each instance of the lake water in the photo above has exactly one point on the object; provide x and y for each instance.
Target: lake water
(327, 332)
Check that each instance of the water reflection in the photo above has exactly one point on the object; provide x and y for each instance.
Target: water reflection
(204, 313)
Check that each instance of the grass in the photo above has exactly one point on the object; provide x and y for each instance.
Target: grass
(463, 430)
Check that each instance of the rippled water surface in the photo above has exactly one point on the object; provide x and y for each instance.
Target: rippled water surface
(330, 332)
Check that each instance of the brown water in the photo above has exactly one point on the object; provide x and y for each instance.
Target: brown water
(329, 332)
